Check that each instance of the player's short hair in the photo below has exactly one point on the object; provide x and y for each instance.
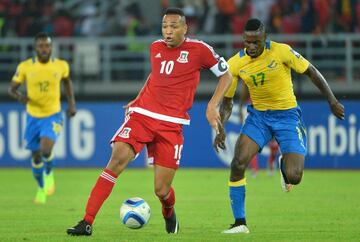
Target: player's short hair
(42, 35)
(177, 11)
(254, 24)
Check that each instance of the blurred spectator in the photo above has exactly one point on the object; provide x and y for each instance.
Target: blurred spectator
(135, 26)
(345, 15)
(239, 19)
(226, 10)
(3, 22)
(275, 20)
(111, 17)
(261, 10)
(358, 16)
(322, 15)
(63, 24)
(192, 10)
(91, 24)
(307, 16)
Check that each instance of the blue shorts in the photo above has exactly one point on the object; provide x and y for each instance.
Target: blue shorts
(286, 126)
(37, 128)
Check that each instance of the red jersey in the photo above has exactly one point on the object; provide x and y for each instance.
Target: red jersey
(175, 73)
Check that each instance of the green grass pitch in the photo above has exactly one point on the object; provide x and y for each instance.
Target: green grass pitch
(325, 207)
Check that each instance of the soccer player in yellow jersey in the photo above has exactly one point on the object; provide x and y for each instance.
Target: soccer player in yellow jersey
(42, 75)
(265, 67)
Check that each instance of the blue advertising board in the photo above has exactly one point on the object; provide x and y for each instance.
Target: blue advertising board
(84, 141)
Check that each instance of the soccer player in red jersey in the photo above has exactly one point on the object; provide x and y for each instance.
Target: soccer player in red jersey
(156, 116)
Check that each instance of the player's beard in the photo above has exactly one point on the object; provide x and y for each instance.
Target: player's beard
(44, 58)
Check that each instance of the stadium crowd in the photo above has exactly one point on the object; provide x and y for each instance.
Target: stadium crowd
(22, 18)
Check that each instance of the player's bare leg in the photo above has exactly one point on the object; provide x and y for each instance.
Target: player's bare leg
(46, 146)
(245, 149)
(122, 154)
(291, 169)
(163, 190)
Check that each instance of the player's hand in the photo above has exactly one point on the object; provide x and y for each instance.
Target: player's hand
(71, 111)
(337, 109)
(23, 99)
(219, 141)
(213, 117)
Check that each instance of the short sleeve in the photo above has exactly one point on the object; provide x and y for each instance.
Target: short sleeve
(66, 70)
(20, 74)
(211, 60)
(293, 59)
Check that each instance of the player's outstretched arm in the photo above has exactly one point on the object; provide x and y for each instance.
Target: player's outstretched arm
(225, 112)
(212, 113)
(71, 110)
(226, 107)
(16, 94)
(317, 78)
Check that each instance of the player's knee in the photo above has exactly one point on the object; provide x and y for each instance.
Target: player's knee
(161, 192)
(46, 153)
(238, 164)
(117, 164)
(294, 176)
(36, 158)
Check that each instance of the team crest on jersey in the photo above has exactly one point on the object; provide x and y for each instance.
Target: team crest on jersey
(273, 64)
(125, 133)
(183, 58)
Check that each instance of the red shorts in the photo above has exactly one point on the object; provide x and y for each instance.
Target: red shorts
(164, 140)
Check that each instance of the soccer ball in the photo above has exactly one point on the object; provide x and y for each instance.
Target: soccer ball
(135, 213)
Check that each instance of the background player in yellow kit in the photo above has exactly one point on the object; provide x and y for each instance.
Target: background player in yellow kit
(42, 75)
(265, 67)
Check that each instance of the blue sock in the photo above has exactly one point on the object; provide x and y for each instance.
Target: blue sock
(38, 172)
(237, 197)
(49, 164)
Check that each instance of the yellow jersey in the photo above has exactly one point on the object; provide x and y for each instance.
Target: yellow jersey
(268, 76)
(42, 85)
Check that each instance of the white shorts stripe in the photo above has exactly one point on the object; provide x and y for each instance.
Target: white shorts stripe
(160, 116)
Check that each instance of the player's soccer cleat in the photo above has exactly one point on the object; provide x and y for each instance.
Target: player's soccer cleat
(82, 228)
(40, 197)
(236, 229)
(285, 187)
(49, 183)
(172, 224)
